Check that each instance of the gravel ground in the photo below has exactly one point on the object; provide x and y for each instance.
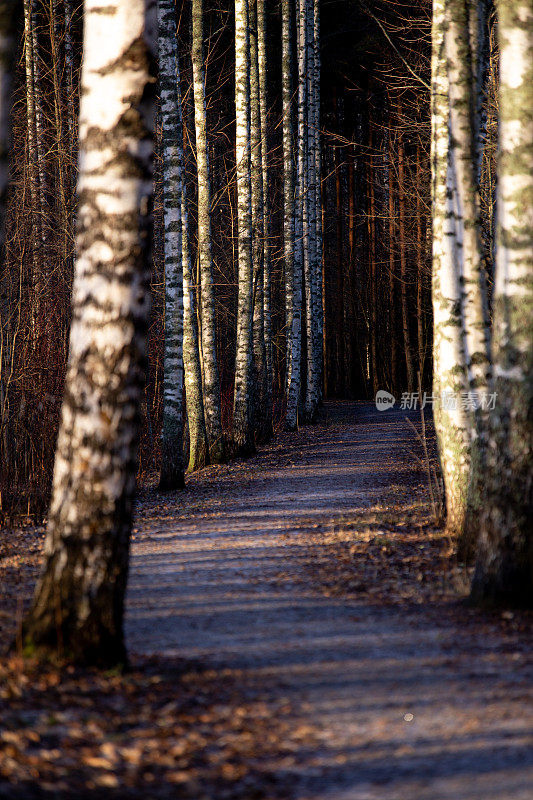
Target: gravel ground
(275, 571)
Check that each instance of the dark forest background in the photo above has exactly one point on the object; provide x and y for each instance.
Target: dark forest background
(375, 188)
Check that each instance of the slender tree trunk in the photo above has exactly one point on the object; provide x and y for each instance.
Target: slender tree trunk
(260, 380)
(449, 378)
(420, 267)
(198, 445)
(350, 310)
(403, 269)
(504, 568)
(288, 178)
(9, 19)
(79, 600)
(172, 468)
(392, 275)
(39, 127)
(294, 371)
(312, 384)
(243, 398)
(267, 266)
(339, 382)
(33, 173)
(319, 312)
(208, 327)
(371, 221)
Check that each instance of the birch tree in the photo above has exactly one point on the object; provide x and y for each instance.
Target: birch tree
(313, 309)
(449, 377)
(300, 228)
(33, 168)
(79, 600)
(318, 313)
(171, 474)
(242, 403)
(267, 266)
(288, 204)
(211, 380)
(198, 445)
(504, 568)
(463, 148)
(260, 379)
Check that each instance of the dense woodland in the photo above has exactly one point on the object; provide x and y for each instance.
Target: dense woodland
(323, 223)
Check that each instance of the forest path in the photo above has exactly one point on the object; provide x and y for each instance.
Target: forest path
(374, 701)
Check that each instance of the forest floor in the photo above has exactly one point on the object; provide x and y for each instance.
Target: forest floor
(298, 630)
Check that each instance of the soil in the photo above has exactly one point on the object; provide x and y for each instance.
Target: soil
(298, 629)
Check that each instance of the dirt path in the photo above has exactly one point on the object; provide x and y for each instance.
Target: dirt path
(376, 700)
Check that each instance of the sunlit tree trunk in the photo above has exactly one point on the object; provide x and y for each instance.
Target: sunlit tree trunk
(198, 446)
(243, 397)
(79, 600)
(172, 469)
(207, 307)
(449, 377)
(470, 266)
(33, 171)
(504, 569)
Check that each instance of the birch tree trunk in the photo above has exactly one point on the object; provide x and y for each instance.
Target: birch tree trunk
(300, 227)
(260, 401)
(449, 377)
(243, 397)
(504, 569)
(33, 171)
(79, 600)
(171, 473)
(463, 147)
(313, 377)
(198, 445)
(292, 276)
(318, 313)
(208, 328)
(267, 266)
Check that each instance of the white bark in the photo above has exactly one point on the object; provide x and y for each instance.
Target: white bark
(301, 248)
(207, 306)
(449, 375)
(79, 599)
(242, 403)
(171, 473)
